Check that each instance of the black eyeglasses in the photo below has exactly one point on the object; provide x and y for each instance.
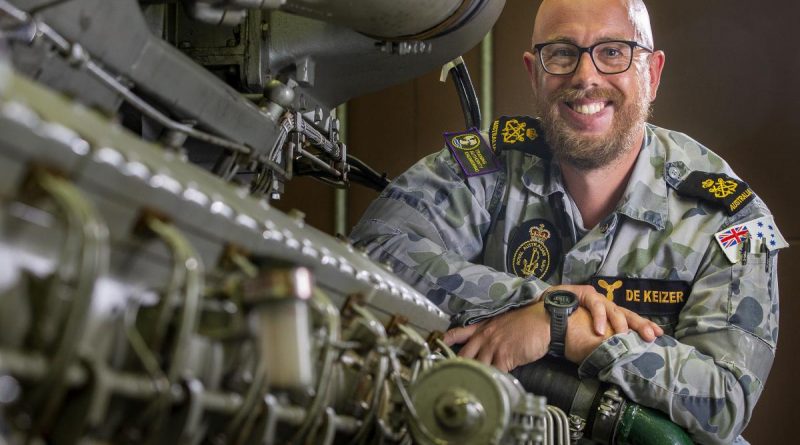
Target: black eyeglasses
(609, 57)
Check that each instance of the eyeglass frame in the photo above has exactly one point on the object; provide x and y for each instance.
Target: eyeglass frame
(590, 49)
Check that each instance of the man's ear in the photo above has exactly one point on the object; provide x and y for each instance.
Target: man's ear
(530, 65)
(656, 66)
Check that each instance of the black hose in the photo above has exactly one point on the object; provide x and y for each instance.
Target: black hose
(354, 176)
(554, 378)
(381, 180)
(466, 95)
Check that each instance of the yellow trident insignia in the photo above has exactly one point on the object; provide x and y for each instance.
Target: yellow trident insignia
(722, 188)
(513, 131)
(533, 255)
(610, 288)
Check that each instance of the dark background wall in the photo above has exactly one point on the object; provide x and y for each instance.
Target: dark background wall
(731, 81)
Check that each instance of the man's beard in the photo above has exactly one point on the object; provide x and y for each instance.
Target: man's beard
(593, 152)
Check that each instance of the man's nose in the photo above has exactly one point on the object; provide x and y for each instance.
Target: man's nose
(586, 74)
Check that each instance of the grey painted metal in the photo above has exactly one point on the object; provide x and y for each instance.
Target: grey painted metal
(347, 63)
(382, 18)
(117, 55)
(117, 35)
(487, 80)
(340, 194)
(466, 402)
(125, 174)
(128, 181)
(336, 53)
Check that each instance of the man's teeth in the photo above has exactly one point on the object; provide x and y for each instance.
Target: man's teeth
(591, 108)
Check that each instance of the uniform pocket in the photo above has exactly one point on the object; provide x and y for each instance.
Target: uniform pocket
(753, 301)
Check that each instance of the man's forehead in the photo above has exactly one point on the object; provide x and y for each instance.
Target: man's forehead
(577, 20)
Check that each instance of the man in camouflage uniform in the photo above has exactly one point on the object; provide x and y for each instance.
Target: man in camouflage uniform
(609, 207)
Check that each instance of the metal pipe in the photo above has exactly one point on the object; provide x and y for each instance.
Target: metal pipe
(340, 194)
(640, 425)
(487, 80)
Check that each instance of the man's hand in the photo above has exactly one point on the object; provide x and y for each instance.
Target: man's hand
(581, 339)
(506, 341)
(604, 311)
(522, 336)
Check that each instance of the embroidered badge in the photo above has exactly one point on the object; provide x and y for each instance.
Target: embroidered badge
(534, 250)
(515, 131)
(722, 188)
(762, 234)
(729, 193)
(471, 152)
(609, 288)
(521, 133)
(644, 296)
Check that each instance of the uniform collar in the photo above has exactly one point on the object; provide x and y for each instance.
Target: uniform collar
(542, 176)
(645, 197)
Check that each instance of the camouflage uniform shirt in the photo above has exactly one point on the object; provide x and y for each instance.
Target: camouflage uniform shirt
(480, 244)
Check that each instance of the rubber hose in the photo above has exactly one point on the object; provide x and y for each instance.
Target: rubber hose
(640, 425)
(557, 380)
(550, 377)
(467, 96)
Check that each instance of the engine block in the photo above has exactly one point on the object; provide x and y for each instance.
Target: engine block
(144, 300)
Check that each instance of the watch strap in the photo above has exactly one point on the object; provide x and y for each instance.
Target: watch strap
(558, 332)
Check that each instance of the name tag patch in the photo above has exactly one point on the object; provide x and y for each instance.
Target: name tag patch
(644, 296)
(472, 152)
(534, 249)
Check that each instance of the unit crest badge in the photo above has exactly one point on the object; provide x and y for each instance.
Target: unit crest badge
(466, 141)
(471, 152)
(534, 250)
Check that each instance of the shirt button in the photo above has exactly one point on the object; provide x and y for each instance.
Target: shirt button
(674, 173)
(604, 228)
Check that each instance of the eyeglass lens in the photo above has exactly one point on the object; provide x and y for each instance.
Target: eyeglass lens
(608, 57)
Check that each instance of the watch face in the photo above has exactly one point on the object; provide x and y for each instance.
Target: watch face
(561, 298)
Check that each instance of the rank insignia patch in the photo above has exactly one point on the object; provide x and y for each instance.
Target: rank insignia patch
(471, 152)
(729, 193)
(534, 249)
(644, 296)
(515, 131)
(521, 133)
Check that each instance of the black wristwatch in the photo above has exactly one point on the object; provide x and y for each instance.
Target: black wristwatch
(560, 305)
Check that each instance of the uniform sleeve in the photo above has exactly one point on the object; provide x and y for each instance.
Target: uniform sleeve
(429, 226)
(709, 375)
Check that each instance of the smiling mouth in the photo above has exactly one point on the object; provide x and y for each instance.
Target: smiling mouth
(588, 109)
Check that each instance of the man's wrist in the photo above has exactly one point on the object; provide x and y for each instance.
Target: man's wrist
(559, 304)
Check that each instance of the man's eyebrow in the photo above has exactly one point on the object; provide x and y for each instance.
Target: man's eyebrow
(567, 39)
(613, 37)
(561, 39)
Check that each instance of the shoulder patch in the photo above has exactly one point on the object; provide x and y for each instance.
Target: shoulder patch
(718, 188)
(644, 296)
(757, 235)
(471, 151)
(522, 133)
